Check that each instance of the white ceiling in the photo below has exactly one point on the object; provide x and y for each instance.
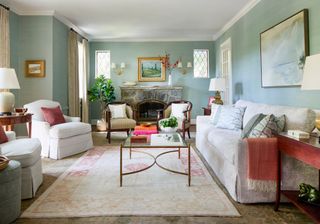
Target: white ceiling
(140, 20)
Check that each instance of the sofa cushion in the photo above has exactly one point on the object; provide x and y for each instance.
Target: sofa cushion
(296, 118)
(251, 124)
(25, 150)
(53, 115)
(230, 117)
(69, 129)
(225, 141)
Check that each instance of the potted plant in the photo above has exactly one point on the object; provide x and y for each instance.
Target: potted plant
(103, 92)
(169, 124)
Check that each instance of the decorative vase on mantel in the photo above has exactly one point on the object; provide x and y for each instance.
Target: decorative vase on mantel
(170, 80)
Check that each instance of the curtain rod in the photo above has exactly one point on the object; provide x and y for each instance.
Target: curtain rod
(79, 34)
(7, 8)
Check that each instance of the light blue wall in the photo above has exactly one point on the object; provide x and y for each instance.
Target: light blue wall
(60, 63)
(195, 89)
(245, 35)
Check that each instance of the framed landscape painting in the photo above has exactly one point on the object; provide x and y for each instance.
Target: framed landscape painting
(35, 68)
(283, 49)
(150, 69)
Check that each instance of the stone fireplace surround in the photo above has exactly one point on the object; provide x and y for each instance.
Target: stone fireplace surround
(147, 99)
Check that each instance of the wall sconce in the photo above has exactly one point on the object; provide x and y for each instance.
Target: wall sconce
(182, 69)
(118, 70)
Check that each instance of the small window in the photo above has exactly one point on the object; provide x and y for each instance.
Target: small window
(201, 63)
(103, 63)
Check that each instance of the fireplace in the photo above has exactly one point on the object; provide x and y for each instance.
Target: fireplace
(147, 110)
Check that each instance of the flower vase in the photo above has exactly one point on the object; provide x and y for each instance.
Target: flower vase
(169, 80)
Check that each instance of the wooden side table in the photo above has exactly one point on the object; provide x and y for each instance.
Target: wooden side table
(9, 121)
(307, 151)
(206, 110)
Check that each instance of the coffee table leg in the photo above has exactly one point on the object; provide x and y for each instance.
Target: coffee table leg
(130, 152)
(179, 153)
(189, 166)
(121, 165)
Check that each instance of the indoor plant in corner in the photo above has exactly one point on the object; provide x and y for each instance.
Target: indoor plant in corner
(103, 92)
(169, 125)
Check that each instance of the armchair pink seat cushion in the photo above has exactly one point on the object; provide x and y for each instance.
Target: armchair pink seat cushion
(61, 140)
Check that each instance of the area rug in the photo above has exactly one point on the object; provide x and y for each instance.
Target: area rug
(90, 187)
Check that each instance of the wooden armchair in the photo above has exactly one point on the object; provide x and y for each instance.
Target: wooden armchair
(122, 123)
(184, 122)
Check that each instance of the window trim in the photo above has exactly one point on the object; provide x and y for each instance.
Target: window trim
(96, 64)
(208, 63)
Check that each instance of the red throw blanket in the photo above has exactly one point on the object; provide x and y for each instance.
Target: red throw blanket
(262, 163)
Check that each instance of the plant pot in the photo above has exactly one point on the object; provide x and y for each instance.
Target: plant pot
(101, 125)
(168, 129)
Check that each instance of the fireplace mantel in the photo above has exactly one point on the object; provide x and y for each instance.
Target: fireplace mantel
(136, 94)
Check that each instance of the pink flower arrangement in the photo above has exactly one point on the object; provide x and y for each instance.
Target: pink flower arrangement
(166, 62)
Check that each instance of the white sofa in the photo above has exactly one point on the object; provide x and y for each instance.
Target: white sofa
(225, 152)
(27, 151)
(60, 140)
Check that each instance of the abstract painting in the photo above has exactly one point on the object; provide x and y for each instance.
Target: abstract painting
(283, 49)
(150, 69)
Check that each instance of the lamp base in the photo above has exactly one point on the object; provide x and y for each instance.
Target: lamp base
(217, 98)
(6, 102)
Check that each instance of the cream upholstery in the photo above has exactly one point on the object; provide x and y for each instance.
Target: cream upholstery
(60, 140)
(119, 124)
(27, 151)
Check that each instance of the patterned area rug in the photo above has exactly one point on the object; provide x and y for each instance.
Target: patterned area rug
(90, 187)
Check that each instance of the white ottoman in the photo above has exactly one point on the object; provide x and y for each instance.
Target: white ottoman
(27, 151)
(10, 192)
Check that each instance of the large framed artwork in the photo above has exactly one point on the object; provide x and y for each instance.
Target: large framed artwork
(283, 49)
(150, 69)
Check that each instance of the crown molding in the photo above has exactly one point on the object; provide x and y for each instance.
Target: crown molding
(235, 19)
(150, 39)
(53, 13)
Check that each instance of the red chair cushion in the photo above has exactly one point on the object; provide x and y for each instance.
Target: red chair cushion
(53, 115)
(3, 136)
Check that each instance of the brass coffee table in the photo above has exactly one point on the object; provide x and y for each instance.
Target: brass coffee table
(171, 141)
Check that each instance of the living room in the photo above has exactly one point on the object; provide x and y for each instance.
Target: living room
(150, 141)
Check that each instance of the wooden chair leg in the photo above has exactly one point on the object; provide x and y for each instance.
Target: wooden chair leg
(189, 133)
(128, 133)
(109, 137)
(184, 134)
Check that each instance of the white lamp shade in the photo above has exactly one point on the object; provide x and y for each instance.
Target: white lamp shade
(8, 79)
(113, 65)
(311, 73)
(179, 64)
(123, 65)
(217, 84)
(189, 65)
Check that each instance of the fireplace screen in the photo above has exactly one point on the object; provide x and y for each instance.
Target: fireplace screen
(147, 110)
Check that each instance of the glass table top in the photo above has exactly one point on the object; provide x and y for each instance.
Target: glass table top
(156, 140)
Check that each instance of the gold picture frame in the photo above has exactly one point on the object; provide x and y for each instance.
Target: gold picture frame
(150, 69)
(35, 68)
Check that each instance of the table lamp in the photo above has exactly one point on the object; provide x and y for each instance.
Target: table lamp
(8, 80)
(218, 85)
(311, 77)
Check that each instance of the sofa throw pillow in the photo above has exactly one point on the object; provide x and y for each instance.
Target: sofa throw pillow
(53, 115)
(280, 122)
(118, 111)
(230, 117)
(3, 136)
(215, 113)
(177, 110)
(266, 128)
(251, 124)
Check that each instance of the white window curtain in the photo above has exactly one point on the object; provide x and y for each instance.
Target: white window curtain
(85, 82)
(73, 77)
(4, 38)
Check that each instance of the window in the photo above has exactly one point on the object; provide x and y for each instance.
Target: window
(103, 63)
(80, 68)
(201, 63)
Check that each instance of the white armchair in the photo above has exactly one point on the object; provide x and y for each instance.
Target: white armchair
(60, 140)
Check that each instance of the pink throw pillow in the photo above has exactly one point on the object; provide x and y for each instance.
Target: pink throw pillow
(3, 136)
(53, 115)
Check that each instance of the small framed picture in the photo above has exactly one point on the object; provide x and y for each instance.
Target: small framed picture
(210, 101)
(35, 68)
